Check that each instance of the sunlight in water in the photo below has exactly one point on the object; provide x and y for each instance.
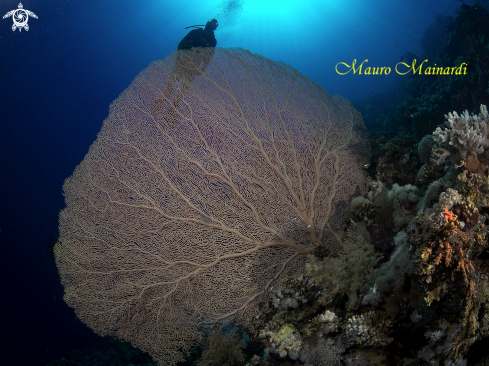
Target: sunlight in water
(284, 8)
(278, 8)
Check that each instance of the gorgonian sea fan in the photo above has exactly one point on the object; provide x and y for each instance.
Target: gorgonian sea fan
(168, 229)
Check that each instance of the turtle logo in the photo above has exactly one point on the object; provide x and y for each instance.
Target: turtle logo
(20, 17)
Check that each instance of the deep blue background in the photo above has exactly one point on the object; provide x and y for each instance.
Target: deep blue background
(58, 79)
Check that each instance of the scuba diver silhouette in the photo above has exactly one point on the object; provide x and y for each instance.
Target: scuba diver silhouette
(194, 50)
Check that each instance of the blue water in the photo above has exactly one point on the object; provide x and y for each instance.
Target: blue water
(58, 79)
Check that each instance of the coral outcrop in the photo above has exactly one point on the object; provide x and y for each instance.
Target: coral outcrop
(461, 135)
(422, 300)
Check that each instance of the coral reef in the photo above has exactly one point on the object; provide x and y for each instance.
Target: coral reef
(384, 211)
(391, 275)
(422, 300)
(397, 160)
(449, 241)
(348, 270)
(461, 135)
(287, 341)
(368, 329)
(430, 171)
(425, 147)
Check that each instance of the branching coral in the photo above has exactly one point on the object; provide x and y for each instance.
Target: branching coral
(429, 173)
(453, 236)
(369, 329)
(450, 251)
(461, 135)
(442, 341)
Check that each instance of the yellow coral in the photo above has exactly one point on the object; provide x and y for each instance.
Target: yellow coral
(433, 295)
(426, 253)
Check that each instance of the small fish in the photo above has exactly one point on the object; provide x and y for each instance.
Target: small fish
(366, 165)
(377, 120)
